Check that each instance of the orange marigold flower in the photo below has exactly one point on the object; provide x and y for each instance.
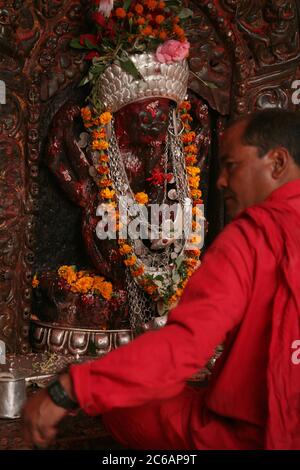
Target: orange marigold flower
(196, 193)
(130, 261)
(146, 31)
(105, 118)
(130, 14)
(68, 273)
(103, 170)
(86, 114)
(83, 285)
(125, 249)
(196, 211)
(99, 145)
(99, 134)
(191, 262)
(159, 19)
(35, 282)
(107, 193)
(98, 280)
(151, 4)
(191, 148)
(120, 12)
(186, 116)
(163, 35)
(103, 157)
(105, 289)
(139, 8)
(194, 181)
(176, 19)
(161, 5)
(188, 137)
(193, 170)
(195, 226)
(150, 289)
(178, 31)
(194, 251)
(104, 183)
(137, 272)
(191, 159)
(141, 21)
(185, 105)
(141, 198)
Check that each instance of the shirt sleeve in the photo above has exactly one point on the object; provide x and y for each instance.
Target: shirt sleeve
(157, 364)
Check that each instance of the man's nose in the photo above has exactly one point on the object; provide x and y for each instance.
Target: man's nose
(222, 180)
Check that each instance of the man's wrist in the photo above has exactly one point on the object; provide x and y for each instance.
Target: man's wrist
(60, 396)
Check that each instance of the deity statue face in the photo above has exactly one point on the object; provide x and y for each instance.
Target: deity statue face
(143, 122)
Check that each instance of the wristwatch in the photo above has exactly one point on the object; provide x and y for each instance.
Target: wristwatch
(60, 397)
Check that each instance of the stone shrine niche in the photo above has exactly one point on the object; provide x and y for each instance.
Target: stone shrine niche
(244, 56)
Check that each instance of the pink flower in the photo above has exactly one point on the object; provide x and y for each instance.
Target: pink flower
(172, 51)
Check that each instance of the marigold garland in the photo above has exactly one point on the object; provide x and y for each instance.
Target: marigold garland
(107, 194)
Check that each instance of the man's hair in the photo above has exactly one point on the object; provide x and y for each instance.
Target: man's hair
(271, 128)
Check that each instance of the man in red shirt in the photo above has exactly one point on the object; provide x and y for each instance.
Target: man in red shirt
(246, 294)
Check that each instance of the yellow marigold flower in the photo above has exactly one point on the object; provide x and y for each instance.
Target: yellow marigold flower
(194, 181)
(141, 198)
(105, 118)
(68, 273)
(196, 193)
(193, 170)
(99, 145)
(104, 288)
(125, 249)
(84, 284)
(35, 282)
(159, 19)
(120, 12)
(86, 114)
(107, 193)
(130, 261)
(196, 239)
(139, 8)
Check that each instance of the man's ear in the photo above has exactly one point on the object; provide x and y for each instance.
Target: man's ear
(279, 159)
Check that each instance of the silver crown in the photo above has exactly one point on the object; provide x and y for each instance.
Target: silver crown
(116, 88)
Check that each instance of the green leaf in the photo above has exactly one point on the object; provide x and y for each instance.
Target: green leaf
(76, 44)
(90, 45)
(128, 66)
(126, 4)
(185, 13)
(159, 278)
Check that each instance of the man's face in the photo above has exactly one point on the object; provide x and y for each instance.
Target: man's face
(245, 179)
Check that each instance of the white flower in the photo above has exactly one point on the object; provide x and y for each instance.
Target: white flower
(105, 7)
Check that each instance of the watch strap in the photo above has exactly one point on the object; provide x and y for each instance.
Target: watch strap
(60, 397)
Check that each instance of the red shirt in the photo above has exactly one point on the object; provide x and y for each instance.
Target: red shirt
(228, 300)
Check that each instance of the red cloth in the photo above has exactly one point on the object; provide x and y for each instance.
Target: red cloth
(244, 294)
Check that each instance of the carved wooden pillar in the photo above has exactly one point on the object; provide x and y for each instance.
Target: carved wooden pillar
(35, 63)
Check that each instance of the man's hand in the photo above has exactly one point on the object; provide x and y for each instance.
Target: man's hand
(41, 416)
